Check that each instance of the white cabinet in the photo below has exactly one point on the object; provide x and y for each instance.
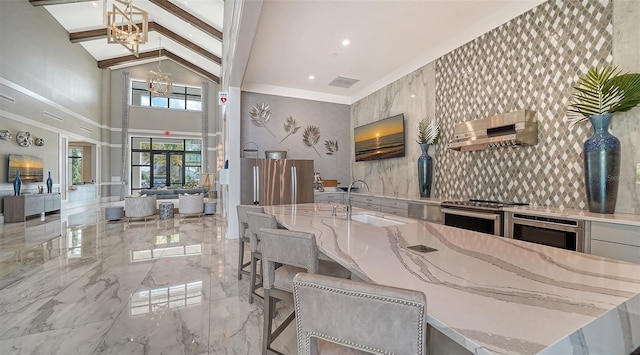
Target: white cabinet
(616, 241)
(393, 206)
(367, 202)
(336, 197)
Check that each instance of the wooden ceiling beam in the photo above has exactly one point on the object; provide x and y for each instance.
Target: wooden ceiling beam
(186, 16)
(55, 2)
(107, 63)
(89, 35)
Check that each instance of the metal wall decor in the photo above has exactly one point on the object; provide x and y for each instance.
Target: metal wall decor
(331, 146)
(290, 127)
(260, 115)
(24, 139)
(39, 142)
(311, 136)
(5, 135)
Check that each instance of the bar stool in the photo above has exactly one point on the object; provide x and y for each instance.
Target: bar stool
(335, 315)
(257, 221)
(243, 231)
(298, 253)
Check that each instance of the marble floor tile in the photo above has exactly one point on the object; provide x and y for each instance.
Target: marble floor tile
(76, 284)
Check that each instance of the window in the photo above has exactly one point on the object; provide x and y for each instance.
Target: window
(160, 162)
(75, 165)
(181, 97)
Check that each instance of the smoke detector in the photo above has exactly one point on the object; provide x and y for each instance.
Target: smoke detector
(343, 82)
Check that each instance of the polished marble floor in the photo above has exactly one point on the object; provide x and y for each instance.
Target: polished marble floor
(76, 284)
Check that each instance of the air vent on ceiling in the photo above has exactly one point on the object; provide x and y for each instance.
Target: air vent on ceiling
(343, 82)
(8, 98)
(51, 115)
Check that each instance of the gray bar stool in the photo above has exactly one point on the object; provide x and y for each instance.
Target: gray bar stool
(298, 253)
(335, 315)
(257, 221)
(243, 231)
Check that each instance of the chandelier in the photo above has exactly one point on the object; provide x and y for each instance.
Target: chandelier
(157, 81)
(128, 26)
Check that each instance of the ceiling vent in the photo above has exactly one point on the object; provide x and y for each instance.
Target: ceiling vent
(343, 82)
(8, 98)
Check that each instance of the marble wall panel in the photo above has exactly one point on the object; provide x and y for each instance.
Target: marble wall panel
(626, 126)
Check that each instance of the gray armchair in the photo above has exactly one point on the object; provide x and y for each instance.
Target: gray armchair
(334, 315)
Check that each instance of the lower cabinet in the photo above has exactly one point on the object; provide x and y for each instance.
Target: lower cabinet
(329, 197)
(616, 241)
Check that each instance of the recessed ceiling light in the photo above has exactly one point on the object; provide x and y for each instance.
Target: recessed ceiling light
(190, 34)
(345, 42)
(412, 96)
(95, 3)
(311, 77)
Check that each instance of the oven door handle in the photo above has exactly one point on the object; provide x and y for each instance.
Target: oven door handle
(487, 216)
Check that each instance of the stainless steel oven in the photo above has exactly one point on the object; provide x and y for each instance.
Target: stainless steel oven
(564, 233)
(483, 221)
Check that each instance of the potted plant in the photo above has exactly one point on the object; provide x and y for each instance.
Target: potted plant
(428, 134)
(601, 92)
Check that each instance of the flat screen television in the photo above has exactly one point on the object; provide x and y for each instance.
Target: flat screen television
(381, 139)
(31, 168)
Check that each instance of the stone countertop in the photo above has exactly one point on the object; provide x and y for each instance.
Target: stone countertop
(489, 294)
(618, 218)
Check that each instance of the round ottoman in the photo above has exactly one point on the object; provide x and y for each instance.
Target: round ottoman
(165, 210)
(113, 213)
(210, 207)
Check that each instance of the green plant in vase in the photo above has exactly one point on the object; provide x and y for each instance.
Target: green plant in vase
(600, 93)
(428, 134)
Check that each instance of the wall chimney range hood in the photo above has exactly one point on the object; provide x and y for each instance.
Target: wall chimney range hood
(505, 130)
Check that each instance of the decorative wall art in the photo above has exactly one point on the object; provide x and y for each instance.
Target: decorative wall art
(5, 135)
(39, 142)
(311, 136)
(331, 146)
(260, 115)
(290, 127)
(24, 139)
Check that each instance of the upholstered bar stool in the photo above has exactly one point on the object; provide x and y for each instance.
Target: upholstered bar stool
(243, 237)
(335, 315)
(297, 252)
(257, 221)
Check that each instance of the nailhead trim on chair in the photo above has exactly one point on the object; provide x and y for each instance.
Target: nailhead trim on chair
(308, 335)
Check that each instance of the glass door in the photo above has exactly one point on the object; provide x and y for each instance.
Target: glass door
(160, 170)
(175, 168)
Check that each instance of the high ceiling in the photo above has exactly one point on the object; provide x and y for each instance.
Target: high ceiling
(388, 39)
(191, 32)
(295, 39)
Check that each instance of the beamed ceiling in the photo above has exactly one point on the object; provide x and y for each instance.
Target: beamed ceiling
(191, 32)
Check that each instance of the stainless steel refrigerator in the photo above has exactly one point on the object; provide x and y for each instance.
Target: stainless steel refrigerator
(276, 181)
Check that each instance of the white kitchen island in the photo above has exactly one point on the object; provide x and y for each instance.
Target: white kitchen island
(491, 295)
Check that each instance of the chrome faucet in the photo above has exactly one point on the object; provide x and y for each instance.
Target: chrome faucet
(349, 196)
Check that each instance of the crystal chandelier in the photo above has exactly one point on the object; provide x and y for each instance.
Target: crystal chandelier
(128, 26)
(157, 81)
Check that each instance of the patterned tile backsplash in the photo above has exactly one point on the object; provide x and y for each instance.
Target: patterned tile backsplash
(530, 62)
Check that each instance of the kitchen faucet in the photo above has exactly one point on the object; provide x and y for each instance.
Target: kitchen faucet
(349, 196)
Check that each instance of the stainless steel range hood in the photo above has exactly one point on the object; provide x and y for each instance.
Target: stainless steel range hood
(505, 130)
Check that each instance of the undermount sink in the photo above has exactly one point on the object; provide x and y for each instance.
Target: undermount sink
(375, 220)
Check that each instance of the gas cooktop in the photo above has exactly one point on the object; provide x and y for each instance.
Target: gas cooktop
(482, 204)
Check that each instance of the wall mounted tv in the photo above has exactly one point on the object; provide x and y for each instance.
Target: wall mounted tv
(381, 139)
(31, 168)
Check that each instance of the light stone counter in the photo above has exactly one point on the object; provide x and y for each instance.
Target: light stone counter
(618, 218)
(491, 295)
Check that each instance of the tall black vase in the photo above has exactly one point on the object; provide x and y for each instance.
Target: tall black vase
(425, 164)
(17, 184)
(602, 166)
(49, 183)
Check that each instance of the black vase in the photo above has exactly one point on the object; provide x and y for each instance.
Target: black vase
(602, 166)
(425, 164)
(49, 183)
(17, 184)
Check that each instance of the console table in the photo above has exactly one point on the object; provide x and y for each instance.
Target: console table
(18, 208)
